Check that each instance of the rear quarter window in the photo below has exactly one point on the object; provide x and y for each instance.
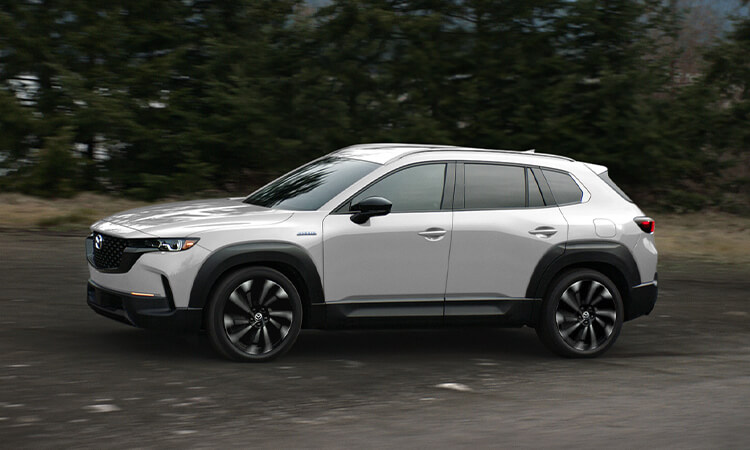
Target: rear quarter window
(564, 188)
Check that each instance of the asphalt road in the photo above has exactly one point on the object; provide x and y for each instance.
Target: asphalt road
(678, 378)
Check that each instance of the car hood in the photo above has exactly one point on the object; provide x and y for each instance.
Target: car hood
(185, 219)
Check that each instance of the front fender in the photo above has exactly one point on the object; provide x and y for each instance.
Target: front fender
(270, 252)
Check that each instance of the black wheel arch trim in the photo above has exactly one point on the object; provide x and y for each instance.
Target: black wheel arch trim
(269, 252)
(586, 253)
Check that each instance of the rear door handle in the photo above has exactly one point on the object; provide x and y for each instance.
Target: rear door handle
(433, 234)
(543, 232)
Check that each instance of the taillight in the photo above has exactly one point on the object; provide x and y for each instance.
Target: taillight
(646, 224)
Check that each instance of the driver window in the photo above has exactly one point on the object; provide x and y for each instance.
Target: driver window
(417, 188)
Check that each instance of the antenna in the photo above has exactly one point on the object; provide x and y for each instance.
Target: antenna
(531, 150)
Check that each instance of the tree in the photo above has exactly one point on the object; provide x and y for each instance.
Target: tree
(157, 98)
(728, 75)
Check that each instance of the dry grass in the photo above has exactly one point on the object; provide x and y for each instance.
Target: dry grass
(24, 212)
(713, 237)
(708, 237)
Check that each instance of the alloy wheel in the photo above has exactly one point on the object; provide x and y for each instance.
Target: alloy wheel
(257, 316)
(586, 315)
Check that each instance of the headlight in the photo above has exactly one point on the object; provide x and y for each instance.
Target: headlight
(171, 245)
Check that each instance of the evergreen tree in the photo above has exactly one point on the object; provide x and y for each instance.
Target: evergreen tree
(728, 75)
(154, 98)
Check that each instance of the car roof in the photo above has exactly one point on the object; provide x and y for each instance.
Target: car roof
(386, 153)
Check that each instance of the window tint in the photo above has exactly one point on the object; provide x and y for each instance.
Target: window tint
(605, 177)
(535, 195)
(311, 186)
(418, 188)
(492, 186)
(564, 189)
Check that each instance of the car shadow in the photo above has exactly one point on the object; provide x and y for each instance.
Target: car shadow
(442, 343)
(446, 343)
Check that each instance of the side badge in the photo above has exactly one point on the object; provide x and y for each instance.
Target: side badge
(307, 233)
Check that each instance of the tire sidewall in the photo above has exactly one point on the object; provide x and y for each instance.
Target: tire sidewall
(215, 319)
(548, 323)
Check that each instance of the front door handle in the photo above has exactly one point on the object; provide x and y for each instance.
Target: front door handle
(433, 234)
(543, 232)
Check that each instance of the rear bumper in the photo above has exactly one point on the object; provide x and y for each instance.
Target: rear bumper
(642, 300)
(157, 313)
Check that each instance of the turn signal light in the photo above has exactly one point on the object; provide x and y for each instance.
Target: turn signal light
(646, 224)
(141, 294)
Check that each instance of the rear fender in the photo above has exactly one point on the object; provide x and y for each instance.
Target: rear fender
(609, 257)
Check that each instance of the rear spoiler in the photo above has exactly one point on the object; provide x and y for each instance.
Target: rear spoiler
(596, 168)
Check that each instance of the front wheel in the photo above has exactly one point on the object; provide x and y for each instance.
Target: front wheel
(254, 315)
(582, 315)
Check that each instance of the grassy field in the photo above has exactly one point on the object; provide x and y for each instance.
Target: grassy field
(704, 237)
(707, 237)
(71, 214)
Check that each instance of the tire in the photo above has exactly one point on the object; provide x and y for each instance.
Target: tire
(254, 315)
(582, 314)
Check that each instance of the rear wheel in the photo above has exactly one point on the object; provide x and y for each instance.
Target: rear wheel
(254, 315)
(582, 314)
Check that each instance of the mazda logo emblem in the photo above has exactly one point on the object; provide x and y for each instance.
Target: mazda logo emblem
(98, 241)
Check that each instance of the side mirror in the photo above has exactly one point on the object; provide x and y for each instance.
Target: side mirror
(370, 207)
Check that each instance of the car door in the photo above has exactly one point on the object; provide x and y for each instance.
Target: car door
(393, 265)
(501, 229)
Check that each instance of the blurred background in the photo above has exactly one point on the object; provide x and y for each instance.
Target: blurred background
(146, 99)
(108, 105)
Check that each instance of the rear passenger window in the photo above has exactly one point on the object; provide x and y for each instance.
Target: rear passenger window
(535, 196)
(564, 189)
(493, 186)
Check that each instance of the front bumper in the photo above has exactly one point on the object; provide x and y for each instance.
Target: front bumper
(642, 299)
(158, 313)
(163, 274)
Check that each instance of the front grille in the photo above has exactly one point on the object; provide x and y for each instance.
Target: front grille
(110, 253)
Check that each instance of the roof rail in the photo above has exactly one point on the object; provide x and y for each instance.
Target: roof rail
(435, 148)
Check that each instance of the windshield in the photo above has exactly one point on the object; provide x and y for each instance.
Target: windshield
(311, 186)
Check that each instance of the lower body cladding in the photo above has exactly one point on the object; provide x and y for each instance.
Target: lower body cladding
(420, 313)
(152, 312)
(642, 299)
(500, 312)
(159, 312)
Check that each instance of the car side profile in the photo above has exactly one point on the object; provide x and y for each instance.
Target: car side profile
(383, 235)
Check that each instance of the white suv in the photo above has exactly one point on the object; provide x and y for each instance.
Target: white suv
(382, 235)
